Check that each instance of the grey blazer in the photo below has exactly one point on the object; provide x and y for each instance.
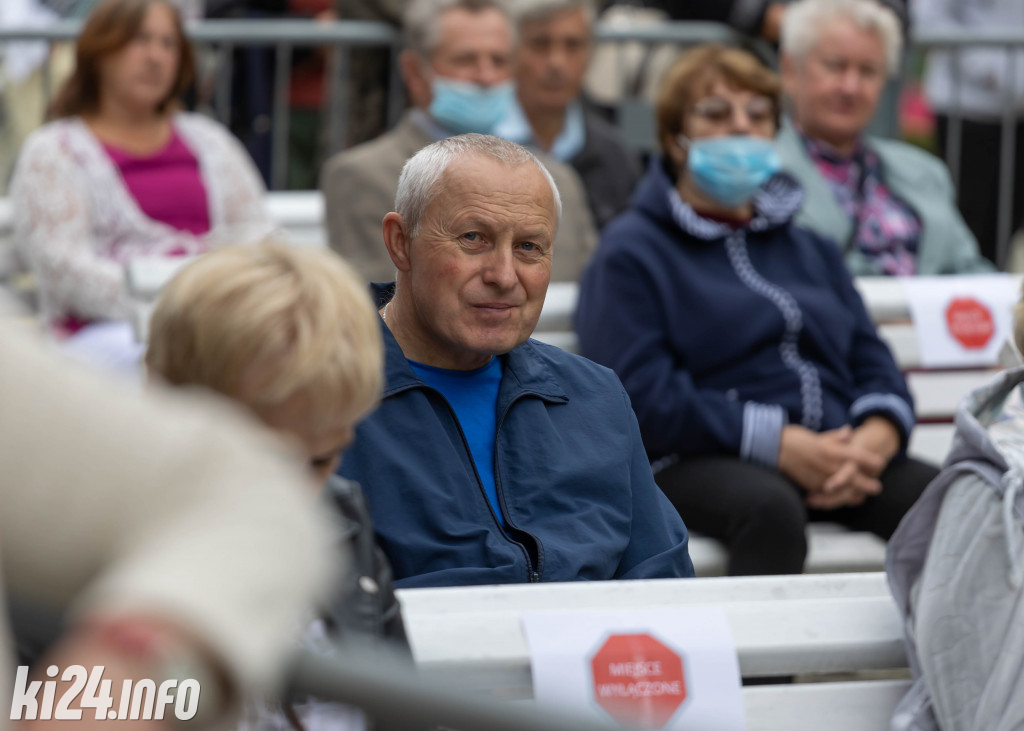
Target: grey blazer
(359, 187)
(917, 178)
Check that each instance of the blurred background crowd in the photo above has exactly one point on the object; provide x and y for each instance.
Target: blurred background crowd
(962, 103)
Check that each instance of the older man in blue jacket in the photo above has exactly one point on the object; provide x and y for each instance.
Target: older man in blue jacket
(495, 458)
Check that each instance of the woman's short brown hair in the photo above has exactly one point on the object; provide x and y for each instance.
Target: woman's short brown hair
(110, 27)
(692, 76)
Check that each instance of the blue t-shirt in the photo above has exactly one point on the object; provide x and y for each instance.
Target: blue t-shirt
(473, 395)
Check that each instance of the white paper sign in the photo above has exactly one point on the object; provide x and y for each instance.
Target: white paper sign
(962, 320)
(656, 669)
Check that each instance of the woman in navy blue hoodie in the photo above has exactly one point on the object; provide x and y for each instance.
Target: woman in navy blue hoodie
(763, 392)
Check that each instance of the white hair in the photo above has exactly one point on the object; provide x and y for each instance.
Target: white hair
(533, 10)
(422, 173)
(804, 20)
(421, 24)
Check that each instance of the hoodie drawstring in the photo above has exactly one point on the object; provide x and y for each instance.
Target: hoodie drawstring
(1012, 481)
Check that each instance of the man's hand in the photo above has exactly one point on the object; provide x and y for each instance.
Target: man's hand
(811, 458)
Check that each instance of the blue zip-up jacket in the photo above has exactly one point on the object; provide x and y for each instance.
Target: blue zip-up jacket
(723, 335)
(573, 480)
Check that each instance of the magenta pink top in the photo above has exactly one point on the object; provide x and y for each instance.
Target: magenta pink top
(167, 185)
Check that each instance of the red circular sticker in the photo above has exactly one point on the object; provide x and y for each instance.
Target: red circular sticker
(970, 322)
(638, 680)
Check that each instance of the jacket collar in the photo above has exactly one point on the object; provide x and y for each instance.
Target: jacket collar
(775, 204)
(525, 370)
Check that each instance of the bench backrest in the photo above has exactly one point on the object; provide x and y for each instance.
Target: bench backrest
(801, 626)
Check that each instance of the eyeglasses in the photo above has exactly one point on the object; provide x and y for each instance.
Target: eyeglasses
(717, 110)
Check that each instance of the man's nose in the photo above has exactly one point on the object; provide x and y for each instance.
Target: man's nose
(558, 60)
(500, 268)
(850, 81)
(489, 72)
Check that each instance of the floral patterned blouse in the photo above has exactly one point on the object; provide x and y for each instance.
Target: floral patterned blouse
(885, 229)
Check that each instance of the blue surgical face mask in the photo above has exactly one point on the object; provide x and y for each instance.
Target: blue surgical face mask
(731, 169)
(462, 106)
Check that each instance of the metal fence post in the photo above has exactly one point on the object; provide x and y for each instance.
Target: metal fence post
(279, 139)
(1008, 152)
(222, 89)
(338, 91)
(396, 87)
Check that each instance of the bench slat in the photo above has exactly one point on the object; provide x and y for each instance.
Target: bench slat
(832, 552)
(931, 442)
(649, 593)
(297, 209)
(938, 393)
(486, 650)
(851, 706)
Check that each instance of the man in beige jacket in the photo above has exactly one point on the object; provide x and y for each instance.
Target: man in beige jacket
(457, 68)
(174, 532)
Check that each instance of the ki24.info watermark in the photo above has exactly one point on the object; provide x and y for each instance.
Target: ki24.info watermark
(140, 699)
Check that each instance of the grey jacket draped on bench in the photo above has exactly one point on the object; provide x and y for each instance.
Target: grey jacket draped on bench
(956, 569)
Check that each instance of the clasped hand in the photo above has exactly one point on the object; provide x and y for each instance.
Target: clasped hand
(841, 466)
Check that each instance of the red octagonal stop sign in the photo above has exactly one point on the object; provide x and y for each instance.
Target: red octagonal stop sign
(970, 322)
(638, 680)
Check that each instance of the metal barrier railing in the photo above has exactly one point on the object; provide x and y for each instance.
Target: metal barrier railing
(343, 36)
(956, 41)
(395, 695)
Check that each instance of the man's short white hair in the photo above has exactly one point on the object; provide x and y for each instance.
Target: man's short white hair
(524, 11)
(804, 20)
(422, 173)
(421, 24)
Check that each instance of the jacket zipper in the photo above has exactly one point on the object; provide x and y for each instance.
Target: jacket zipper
(532, 576)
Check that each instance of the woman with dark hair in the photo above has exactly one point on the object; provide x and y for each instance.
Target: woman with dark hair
(121, 172)
(764, 395)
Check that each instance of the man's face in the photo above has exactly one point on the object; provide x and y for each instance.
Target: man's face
(480, 263)
(835, 88)
(552, 59)
(474, 46)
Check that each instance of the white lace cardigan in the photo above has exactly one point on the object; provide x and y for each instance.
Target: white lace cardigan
(76, 224)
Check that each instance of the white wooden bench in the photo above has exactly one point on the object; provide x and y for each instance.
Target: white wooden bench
(300, 214)
(811, 627)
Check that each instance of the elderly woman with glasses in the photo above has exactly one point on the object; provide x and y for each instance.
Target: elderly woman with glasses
(888, 205)
(764, 395)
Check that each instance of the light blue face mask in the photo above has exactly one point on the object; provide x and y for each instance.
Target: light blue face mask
(462, 106)
(731, 169)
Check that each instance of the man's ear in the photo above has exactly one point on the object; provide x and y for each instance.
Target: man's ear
(416, 79)
(396, 240)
